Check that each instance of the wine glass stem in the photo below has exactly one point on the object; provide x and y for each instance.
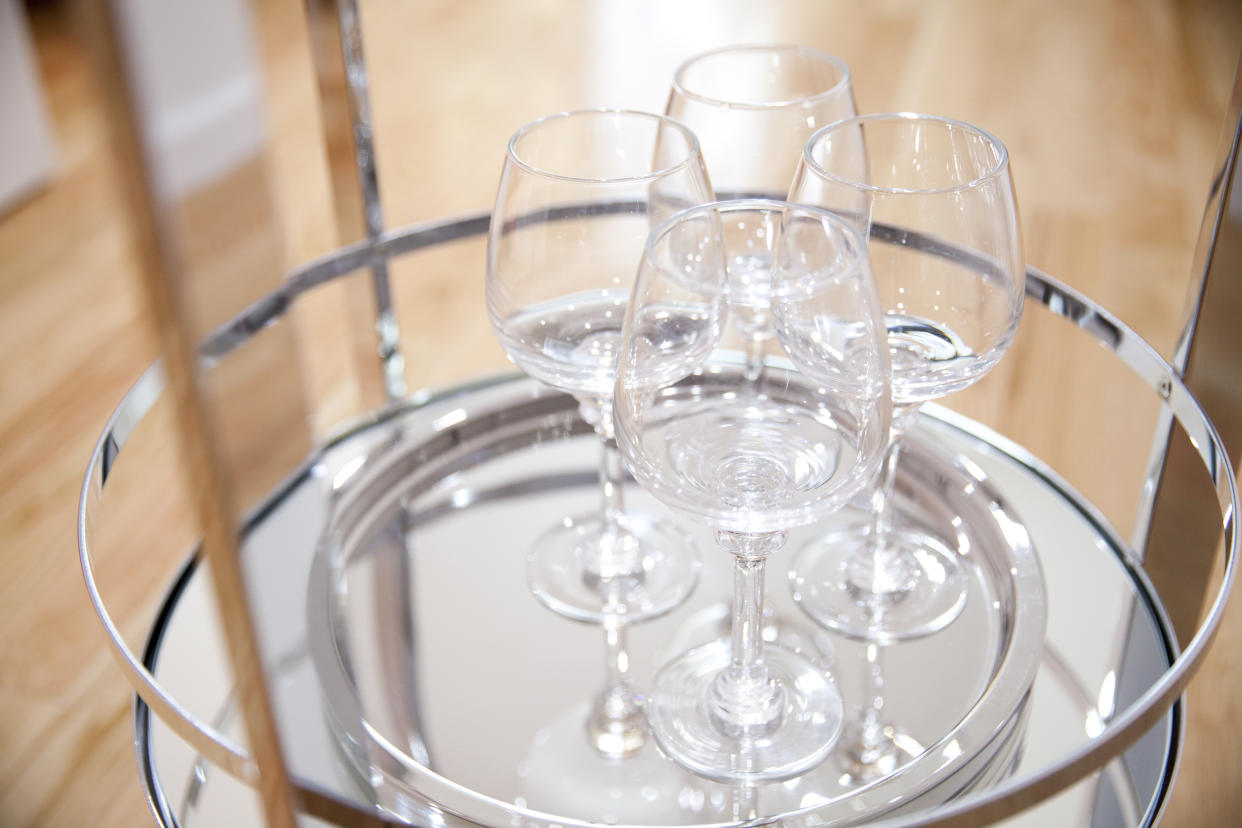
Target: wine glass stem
(612, 505)
(616, 653)
(754, 360)
(744, 699)
(598, 412)
(882, 497)
(617, 559)
(748, 592)
(870, 717)
(617, 726)
(886, 571)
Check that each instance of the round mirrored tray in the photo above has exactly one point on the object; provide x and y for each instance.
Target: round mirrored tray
(472, 705)
(498, 686)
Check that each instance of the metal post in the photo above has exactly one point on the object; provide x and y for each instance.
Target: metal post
(179, 251)
(340, 67)
(1179, 524)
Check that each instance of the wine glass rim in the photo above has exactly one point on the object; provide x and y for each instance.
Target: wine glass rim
(998, 167)
(843, 83)
(692, 146)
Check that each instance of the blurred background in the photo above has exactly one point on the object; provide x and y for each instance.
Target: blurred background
(1111, 109)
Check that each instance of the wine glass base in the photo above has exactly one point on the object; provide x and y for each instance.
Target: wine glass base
(617, 727)
(667, 574)
(935, 594)
(809, 725)
(866, 758)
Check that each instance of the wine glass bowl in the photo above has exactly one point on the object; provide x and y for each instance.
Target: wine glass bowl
(752, 393)
(778, 451)
(937, 199)
(579, 193)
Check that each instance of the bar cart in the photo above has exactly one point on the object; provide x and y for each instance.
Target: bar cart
(381, 662)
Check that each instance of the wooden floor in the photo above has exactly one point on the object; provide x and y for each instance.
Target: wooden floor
(1111, 110)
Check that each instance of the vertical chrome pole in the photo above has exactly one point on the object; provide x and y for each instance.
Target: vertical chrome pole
(169, 206)
(1177, 525)
(340, 67)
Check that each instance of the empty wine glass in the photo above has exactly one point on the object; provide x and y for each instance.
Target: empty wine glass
(752, 456)
(753, 107)
(578, 196)
(936, 199)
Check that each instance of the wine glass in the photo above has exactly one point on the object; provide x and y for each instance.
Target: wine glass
(752, 456)
(753, 107)
(936, 200)
(578, 196)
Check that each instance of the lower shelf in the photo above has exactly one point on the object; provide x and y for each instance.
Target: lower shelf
(425, 649)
